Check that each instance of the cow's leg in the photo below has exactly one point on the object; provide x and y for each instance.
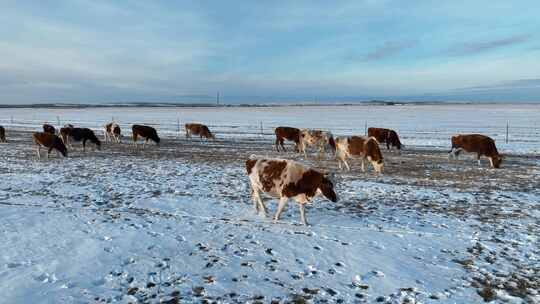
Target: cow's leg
(303, 213)
(254, 194)
(478, 159)
(49, 152)
(363, 165)
(282, 204)
(491, 162)
(38, 151)
(260, 204)
(84, 145)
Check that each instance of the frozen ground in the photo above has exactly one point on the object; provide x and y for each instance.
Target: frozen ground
(175, 223)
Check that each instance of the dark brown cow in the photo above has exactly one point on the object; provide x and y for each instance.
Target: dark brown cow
(287, 133)
(359, 146)
(49, 141)
(49, 129)
(475, 143)
(146, 132)
(2, 134)
(388, 136)
(198, 129)
(78, 135)
(284, 179)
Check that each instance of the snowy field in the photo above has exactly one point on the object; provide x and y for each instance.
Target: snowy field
(175, 223)
(417, 125)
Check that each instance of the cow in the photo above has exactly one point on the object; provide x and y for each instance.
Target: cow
(64, 132)
(287, 133)
(79, 134)
(320, 139)
(49, 129)
(145, 132)
(388, 136)
(49, 141)
(2, 134)
(112, 132)
(359, 146)
(198, 129)
(476, 143)
(285, 179)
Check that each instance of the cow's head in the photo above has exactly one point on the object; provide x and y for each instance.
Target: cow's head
(327, 185)
(378, 165)
(496, 161)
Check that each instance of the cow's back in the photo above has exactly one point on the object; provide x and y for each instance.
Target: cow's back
(475, 143)
(379, 133)
(356, 145)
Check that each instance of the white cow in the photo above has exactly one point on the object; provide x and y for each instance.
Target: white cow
(322, 140)
(112, 132)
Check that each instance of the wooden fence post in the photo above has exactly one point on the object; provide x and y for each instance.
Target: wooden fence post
(365, 128)
(507, 123)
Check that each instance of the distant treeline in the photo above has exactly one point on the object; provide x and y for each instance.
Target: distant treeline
(214, 105)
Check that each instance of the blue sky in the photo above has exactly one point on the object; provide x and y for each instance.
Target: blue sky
(122, 51)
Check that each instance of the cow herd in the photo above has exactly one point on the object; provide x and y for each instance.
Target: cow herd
(280, 178)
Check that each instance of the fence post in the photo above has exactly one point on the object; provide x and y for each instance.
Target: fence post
(507, 123)
(178, 125)
(261, 128)
(365, 128)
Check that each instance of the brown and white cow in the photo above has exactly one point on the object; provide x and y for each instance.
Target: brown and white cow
(475, 143)
(322, 140)
(287, 133)
(362, 147)
(146, 132)
(198, 129)
(2, 134)
(50, 142)
(388, 136)
(49, 129)
(112, 132)
(285, 179)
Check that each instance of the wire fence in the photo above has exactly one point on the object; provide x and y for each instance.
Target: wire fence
(417, 135)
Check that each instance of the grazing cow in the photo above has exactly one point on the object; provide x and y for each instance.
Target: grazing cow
(64, 132)
(2, 134)
(49, 129)
(112, 132)
(145, 132)
(388, 136)
(317, 138)
(479, 144)
(198, 129)
(285, 179)
(49, 141)
(287, 133)
(359, 146)
(79, 134)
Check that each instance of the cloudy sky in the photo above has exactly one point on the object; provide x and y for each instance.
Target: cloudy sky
(122, 51)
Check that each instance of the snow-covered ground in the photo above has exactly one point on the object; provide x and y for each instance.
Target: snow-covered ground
(175, 223)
